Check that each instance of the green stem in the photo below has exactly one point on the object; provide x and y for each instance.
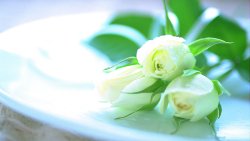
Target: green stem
(215, 133)
(129, 114)
(169, 29)
(178, 121)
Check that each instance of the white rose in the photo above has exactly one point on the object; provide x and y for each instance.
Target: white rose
(191, 97)
(111, 85)
(165, 57)
(141, 93)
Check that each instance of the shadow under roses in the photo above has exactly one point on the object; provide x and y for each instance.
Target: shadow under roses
(228, 127)
(153, 121)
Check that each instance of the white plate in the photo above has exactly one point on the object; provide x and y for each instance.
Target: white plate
(46, 74)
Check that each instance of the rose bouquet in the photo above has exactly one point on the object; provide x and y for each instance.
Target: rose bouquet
(164, 75)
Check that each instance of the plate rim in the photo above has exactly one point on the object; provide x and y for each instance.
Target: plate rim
(73, 127)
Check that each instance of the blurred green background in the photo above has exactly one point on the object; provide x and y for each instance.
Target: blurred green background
(125, 32)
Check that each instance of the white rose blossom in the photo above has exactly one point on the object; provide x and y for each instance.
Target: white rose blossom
(190, 97)
(111, 85)
(141, 93)
(165, 57)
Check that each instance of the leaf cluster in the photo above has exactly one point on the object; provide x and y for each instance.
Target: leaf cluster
(126, 32)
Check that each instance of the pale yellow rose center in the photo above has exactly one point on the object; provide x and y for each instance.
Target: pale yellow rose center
(183, 103)
(162, 63)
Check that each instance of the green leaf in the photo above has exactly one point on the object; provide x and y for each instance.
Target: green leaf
(212, 117)
(126, 62)
(190, 72)
(243, 68)
(227, 30)
(219, 88)
(203, 44)
(155, 87)
(201, 61)
(219, 110)
(187, 12)
(148, 25)
(117, 42)
(169, 28)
